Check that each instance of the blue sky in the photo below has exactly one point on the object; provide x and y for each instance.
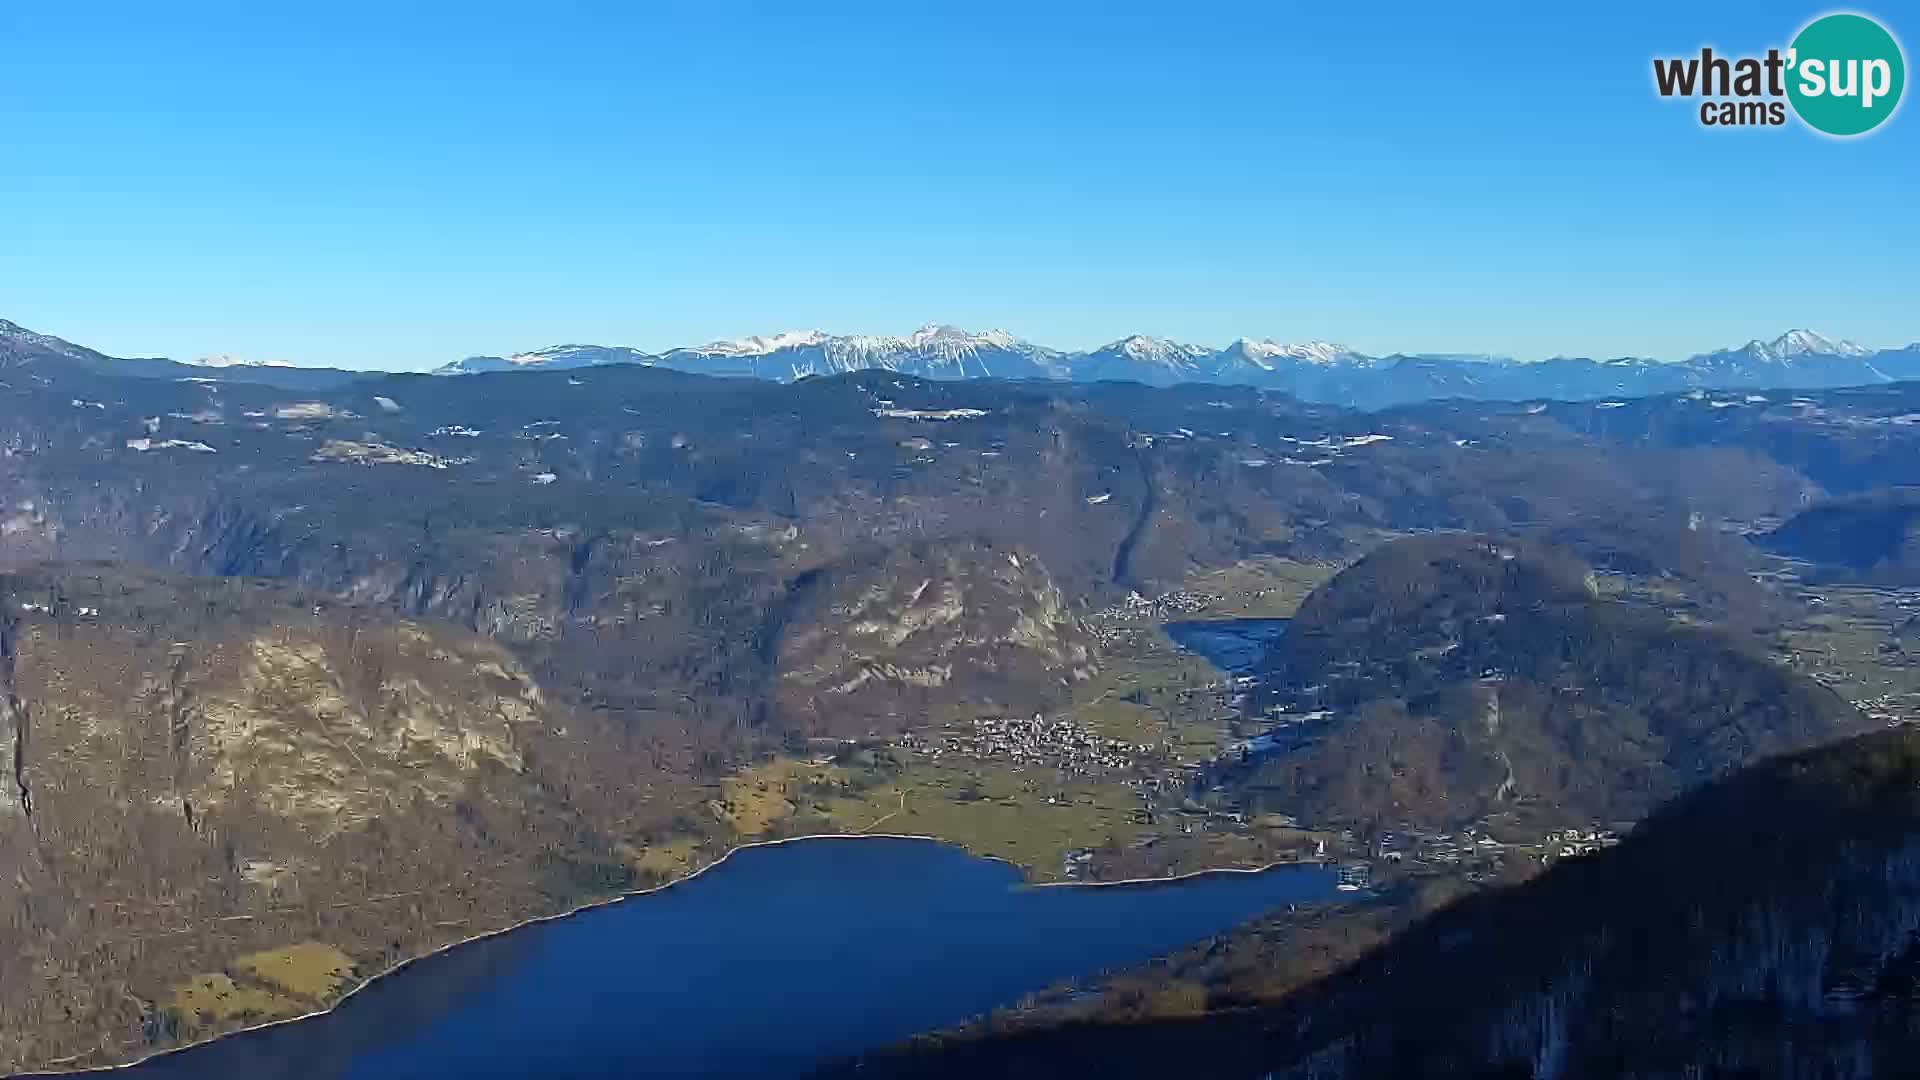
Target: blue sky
(400, 185)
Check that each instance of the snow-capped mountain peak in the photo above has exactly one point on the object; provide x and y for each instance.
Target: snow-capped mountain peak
(1788, 346)
(1262, 352)
(1153, 350)
(1804, 343)
(941, 335)
(763, 344)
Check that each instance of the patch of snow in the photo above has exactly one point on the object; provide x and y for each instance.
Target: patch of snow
(223, 361)
(310, 410)
(929, 414)
(376, 453)
(761, 345)
(1263, 352)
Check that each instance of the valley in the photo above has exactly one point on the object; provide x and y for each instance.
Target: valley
(396, 661)
(773, 542)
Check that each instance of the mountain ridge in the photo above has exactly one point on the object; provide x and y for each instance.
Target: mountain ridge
(1317, 371)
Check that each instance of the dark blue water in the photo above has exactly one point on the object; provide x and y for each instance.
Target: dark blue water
(779, 959)
(1232, 645)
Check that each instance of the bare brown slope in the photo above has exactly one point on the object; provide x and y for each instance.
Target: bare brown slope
(202, 771)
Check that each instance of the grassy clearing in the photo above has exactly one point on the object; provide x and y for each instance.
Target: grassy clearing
(752, 800)
(1858, 656)
(217, 999)
(1260, 588)
(1112, 718)
(1151, 691)
(664, 861)
(310, 969)
(992, 809)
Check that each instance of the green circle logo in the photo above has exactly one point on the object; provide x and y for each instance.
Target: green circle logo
(1845, 74)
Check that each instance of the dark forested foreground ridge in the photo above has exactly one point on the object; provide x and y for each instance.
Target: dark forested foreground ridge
(300, 679)
(1766, 925)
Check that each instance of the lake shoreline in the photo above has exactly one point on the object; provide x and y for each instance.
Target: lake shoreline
(651, 890)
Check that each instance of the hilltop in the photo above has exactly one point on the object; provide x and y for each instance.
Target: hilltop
(1474, 679)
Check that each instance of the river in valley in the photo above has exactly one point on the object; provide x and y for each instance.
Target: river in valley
(780, 958)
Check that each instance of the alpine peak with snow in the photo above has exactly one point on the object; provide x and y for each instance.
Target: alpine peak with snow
(934, 351)
(1797, 343)
(1263, 353)
(1145, 359)
(758, 345)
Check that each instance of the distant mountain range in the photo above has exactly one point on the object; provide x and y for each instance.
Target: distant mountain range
(1315, 371)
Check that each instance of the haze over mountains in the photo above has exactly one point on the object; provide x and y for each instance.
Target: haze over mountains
(1315, 371)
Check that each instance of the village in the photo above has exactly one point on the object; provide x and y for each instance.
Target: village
(1056, 743)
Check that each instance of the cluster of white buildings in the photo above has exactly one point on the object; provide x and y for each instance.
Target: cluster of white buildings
(1136, 606)
(1572, 843)
(1050, 742)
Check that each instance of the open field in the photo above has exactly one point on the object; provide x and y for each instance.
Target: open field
(216, 998)
(665, 860)
(309, 969)
(1259, 588)
(1852, 643)
(753, 799)
(1151, 691)
(993, 809)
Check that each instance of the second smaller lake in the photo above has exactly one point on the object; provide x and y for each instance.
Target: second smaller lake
(1232, 645)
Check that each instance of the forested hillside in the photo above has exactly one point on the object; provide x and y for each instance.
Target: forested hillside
(1473, 679)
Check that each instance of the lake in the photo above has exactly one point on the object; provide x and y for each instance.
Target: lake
(1232, 645)
(777, 960)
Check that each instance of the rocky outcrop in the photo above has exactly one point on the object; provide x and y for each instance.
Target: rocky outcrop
(196, 770)
(869, 641)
